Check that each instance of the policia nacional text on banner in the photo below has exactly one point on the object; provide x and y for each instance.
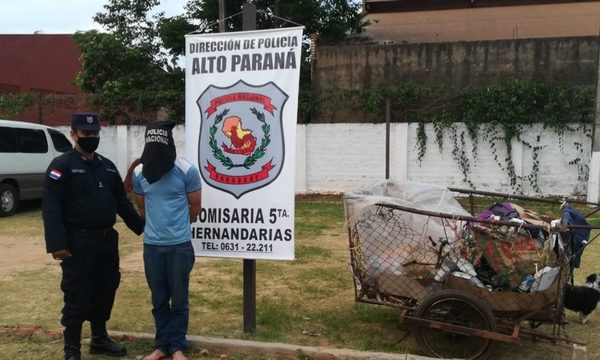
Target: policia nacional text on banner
(241, 108)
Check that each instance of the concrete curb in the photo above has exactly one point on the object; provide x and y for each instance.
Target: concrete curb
(216, 346)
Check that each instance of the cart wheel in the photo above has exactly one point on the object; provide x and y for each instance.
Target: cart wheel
(460, 308)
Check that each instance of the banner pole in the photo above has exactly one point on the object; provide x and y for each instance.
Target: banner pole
(387, 138)
(249, 23)
(221, 15)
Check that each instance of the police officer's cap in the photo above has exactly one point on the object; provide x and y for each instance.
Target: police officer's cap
(85, 121)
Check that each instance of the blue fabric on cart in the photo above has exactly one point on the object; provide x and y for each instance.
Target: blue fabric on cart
(580, 236)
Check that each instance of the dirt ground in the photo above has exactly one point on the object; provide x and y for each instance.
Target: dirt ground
(23, 253)
(28, 253)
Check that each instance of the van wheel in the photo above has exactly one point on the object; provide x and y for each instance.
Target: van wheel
(9, 199)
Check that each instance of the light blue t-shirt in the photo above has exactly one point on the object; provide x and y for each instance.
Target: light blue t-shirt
(167, 211)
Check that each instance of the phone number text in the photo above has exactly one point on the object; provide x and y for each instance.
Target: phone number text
(232, 246)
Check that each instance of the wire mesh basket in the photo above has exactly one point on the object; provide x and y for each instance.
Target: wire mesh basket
(401, 254)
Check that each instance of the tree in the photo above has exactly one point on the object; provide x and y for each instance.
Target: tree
(332, 19)
(132, 71)
(13, 104)
(126, 74)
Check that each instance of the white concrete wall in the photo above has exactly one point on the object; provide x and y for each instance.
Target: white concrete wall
(556, 176)
(339, 157)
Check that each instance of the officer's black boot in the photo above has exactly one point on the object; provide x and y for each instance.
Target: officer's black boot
(72, 336)
(102, 344)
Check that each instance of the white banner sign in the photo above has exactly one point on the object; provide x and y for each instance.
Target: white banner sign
(240, 108)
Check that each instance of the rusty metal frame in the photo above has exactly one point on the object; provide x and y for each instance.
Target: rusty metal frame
(476, 220)
(512, 331)
(461, 330)
(523, 197)
(515, 330)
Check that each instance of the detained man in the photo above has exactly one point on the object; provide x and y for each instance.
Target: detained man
(168, 193)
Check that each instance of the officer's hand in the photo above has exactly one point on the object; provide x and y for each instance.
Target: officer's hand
(61, 255)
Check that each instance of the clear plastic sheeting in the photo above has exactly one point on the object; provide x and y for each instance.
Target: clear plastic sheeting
(401, 248)
(418, 195)
(409, 240)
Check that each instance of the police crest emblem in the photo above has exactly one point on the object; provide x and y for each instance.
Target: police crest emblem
(241, 144)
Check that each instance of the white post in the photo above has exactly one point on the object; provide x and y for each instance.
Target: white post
(301, 157)
(121, 158)
(399, 152)
(594, 175)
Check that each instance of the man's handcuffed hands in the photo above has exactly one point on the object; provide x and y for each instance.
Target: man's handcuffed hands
(61, 255)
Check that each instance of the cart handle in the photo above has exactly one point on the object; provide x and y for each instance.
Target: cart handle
(523, 197)
(477, 220)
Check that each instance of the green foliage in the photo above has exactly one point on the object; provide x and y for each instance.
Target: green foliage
(329, 19)
(171, 31)
(13, 104)
(497, 114)
(126, 73)
(131, 71)
(129, 21)
(421, 140)
(124, 81)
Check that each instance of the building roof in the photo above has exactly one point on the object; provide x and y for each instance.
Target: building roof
(486, 23)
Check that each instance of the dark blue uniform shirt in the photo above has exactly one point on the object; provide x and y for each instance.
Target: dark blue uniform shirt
(83, 194)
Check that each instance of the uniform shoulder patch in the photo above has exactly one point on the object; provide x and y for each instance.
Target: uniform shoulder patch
(55, 174)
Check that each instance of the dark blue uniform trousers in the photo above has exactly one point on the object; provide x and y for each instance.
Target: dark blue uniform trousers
(90, 277)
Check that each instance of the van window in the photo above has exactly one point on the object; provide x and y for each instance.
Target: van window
(60, 141)
(8, 143)
(31, 141)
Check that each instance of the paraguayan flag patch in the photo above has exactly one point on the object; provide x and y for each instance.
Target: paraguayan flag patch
(55, 174)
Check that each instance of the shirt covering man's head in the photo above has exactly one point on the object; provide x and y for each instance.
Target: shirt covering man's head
(159, 153)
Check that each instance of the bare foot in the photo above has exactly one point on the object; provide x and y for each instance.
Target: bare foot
(178, 355)
(156, 355)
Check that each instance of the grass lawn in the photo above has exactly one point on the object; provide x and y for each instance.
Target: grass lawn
(309, 301)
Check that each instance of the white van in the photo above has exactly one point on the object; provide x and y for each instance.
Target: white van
(26, 150)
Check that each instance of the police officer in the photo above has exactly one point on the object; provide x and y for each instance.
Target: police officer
(83, 192)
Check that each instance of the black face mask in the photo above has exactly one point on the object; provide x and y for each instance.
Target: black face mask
(88, 144)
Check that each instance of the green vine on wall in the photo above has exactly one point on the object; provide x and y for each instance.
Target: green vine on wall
(13, 104)
(497, 114)
(421, 141)
(535, 162)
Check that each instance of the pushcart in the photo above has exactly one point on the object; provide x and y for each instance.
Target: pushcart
(463, 281)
